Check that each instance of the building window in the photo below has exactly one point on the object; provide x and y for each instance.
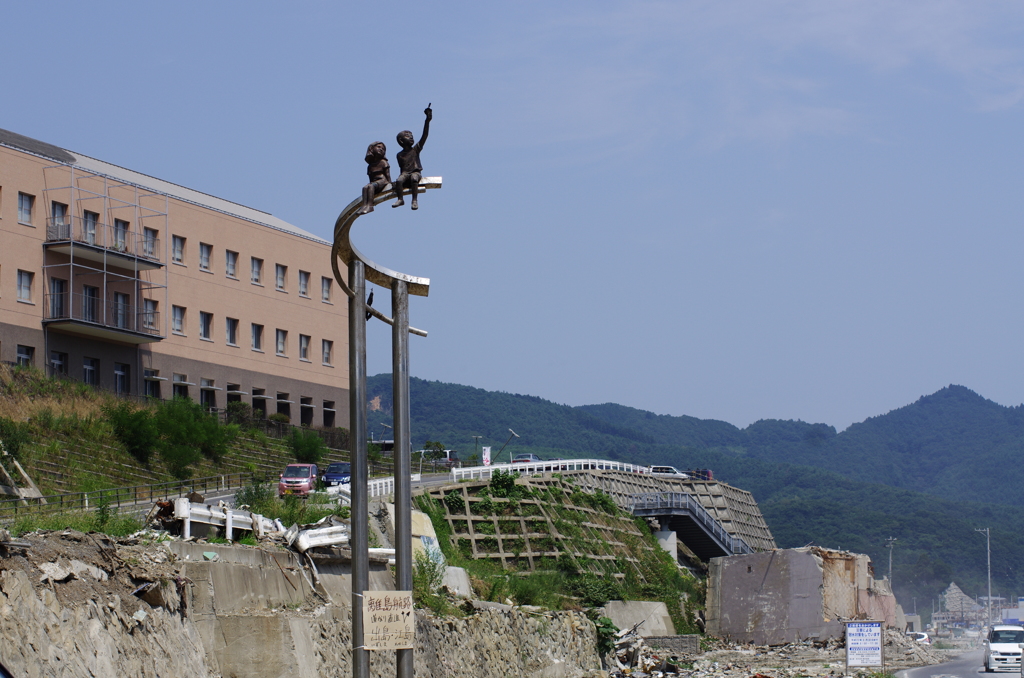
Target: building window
(25, 202)
(280, 276)
(122, 311)
(122, 378)
(204, 256)
(25, 286)
(234, 393)
(90, 303)
(230, 263)
(325, 289)
(257, 337)
(207, 394)
(205, 325)
(151, 383)
(121, 235)
(178, 319)
(257, 271)
(284, 406)
(304, 283)
(91, 371)
(178, 249)
(328, 409)
(303, 347)
(328, 351)
(58, 298)
(282, 341)
(149, 242)
(26, 354)
(89, 227)
(179, 386)
(59, 221)
(149, 316)
(58, 363)
(231, 331)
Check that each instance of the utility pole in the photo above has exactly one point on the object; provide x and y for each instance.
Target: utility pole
(988, 550)
(889, 544)
(477, 447)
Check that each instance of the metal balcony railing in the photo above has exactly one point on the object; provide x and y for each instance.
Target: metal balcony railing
(90, 309)
(113, 238)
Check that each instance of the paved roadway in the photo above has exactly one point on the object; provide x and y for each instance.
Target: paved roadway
(427, 480)
(967, 665)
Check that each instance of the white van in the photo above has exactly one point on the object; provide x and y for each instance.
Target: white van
(1002, 648)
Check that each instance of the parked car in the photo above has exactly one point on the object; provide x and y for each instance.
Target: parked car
(338, 473)
(298, 479)
(1002, 648)
(669, 472)
(526, 459)
(920, 637)
(448, 459)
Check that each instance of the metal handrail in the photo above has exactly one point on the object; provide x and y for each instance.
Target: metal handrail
(555, 465)
(95, 234)
(686, 502)
(120, 497)
(90, 309)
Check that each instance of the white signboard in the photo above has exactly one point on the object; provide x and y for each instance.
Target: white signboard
(388, 620)
(487, 456)
(864, 643)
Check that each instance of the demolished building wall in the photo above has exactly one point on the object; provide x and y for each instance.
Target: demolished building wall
(787, 595)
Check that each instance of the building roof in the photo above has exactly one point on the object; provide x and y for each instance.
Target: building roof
(63, 156)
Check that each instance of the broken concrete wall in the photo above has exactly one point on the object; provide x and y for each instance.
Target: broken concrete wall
(768, 598)
(794, 594)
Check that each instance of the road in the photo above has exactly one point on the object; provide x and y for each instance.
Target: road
(967, 665)
(426, 481)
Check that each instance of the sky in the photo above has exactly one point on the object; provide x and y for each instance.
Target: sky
(758, 209)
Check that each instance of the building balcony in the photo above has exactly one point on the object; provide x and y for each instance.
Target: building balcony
(89, 316)
(87, 239)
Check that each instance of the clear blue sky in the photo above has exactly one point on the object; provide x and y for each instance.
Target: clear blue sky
(742, 210)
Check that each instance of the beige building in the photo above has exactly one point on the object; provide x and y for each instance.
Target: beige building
(141, 286)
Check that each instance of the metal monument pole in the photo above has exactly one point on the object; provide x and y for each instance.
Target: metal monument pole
(360, 467)
(988, 551)
(403, 452)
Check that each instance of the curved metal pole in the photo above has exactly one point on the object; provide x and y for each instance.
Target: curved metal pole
(360, 463)
(403, 452)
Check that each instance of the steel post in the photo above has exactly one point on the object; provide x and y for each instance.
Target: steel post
(360, 471)
(403, 453)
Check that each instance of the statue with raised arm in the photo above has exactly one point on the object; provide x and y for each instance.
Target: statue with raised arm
(379, 172)
(409, 162)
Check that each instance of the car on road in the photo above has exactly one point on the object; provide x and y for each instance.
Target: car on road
(338, 473)
(526, 459)
(669, 472)
(299, 479)
(1002, 648)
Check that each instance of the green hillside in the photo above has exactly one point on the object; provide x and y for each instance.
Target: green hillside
(928, 473)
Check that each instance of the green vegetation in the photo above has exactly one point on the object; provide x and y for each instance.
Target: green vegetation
(261, 498)
(13, 435)
(83, 521)
(308, 447)
(601, 556)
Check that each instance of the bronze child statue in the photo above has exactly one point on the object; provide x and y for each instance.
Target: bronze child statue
(379, 171)
(409, 162)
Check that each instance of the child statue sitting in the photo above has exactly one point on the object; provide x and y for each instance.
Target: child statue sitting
(379, 171)
(409, 162)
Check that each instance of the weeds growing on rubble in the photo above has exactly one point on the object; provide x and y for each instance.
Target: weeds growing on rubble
(83, 521)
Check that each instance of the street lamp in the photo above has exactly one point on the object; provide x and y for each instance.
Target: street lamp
(476, 443)
(889, 544)
(988, 550)
(514, 435)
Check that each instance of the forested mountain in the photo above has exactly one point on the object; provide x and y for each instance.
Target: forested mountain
(928, 473)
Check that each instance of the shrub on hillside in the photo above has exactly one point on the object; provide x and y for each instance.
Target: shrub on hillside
(307, 446)
(280, 418)
(188, 433)
(135, 428)
(240, 414)
(13, 434)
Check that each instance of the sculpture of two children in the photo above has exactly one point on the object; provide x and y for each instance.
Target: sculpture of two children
(379, 171)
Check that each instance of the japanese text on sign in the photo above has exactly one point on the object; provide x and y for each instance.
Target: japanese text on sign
(864, 643)
(388, 620)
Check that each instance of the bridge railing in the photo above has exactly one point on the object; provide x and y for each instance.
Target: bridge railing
(552, 466)
(651, 502)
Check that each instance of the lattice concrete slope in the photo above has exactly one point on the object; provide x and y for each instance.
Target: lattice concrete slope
(557, 521)
(734, 508)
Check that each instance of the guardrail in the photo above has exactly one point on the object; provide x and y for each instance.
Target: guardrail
(554, 465)
(121, 498)
(650, 503)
